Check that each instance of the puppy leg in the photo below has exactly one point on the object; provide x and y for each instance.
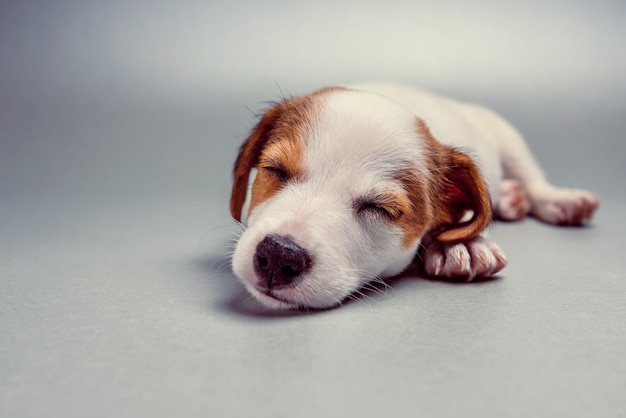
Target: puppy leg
(479, 257)
(563, 206)
(547, 202)
(513, 204)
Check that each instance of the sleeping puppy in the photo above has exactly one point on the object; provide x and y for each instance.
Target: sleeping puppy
(348, 183)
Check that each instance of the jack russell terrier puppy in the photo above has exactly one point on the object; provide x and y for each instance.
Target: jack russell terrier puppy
(348, 183)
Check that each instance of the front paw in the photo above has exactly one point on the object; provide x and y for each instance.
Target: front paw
(478, 257)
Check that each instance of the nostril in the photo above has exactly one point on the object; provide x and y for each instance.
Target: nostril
(261, 261)
(288, 271)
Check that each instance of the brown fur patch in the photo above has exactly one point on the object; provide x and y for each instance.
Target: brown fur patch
(283, 154)
(417, 209)
(457, 187)
(278, 135)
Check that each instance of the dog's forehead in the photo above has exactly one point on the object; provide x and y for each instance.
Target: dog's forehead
(364, 135)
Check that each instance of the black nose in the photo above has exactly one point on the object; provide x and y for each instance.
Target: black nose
(279, 261)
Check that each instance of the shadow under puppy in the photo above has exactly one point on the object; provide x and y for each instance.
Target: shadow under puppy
(348, 183)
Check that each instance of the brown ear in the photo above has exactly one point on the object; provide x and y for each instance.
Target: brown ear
(461, 188)
(458, 187)
(248, 158)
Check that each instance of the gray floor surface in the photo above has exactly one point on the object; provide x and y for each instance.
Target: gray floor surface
(117, 299)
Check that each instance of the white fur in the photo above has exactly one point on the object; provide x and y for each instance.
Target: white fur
(345, 159)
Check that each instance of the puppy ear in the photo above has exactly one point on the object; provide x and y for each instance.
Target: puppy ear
(458, 189)
(248, 158)
(461, 190)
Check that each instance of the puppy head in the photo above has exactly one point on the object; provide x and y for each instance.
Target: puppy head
(347, 183)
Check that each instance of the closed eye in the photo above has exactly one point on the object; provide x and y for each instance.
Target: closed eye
(378, 208)
(277, 172)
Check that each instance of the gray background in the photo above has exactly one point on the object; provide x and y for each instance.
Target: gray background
(119, 122)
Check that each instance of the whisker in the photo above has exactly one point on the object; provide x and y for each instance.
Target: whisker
(224, 266)
(359, 296)
(372, 288)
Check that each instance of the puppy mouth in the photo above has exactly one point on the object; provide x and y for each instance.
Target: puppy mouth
(272, 294)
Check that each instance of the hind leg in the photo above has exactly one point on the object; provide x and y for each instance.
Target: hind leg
(563, 206)
(546, 202)
(550, 204)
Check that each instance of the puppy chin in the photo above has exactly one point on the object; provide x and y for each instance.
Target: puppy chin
(287, 300)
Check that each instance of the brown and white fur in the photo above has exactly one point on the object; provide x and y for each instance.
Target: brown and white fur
(348, 184)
